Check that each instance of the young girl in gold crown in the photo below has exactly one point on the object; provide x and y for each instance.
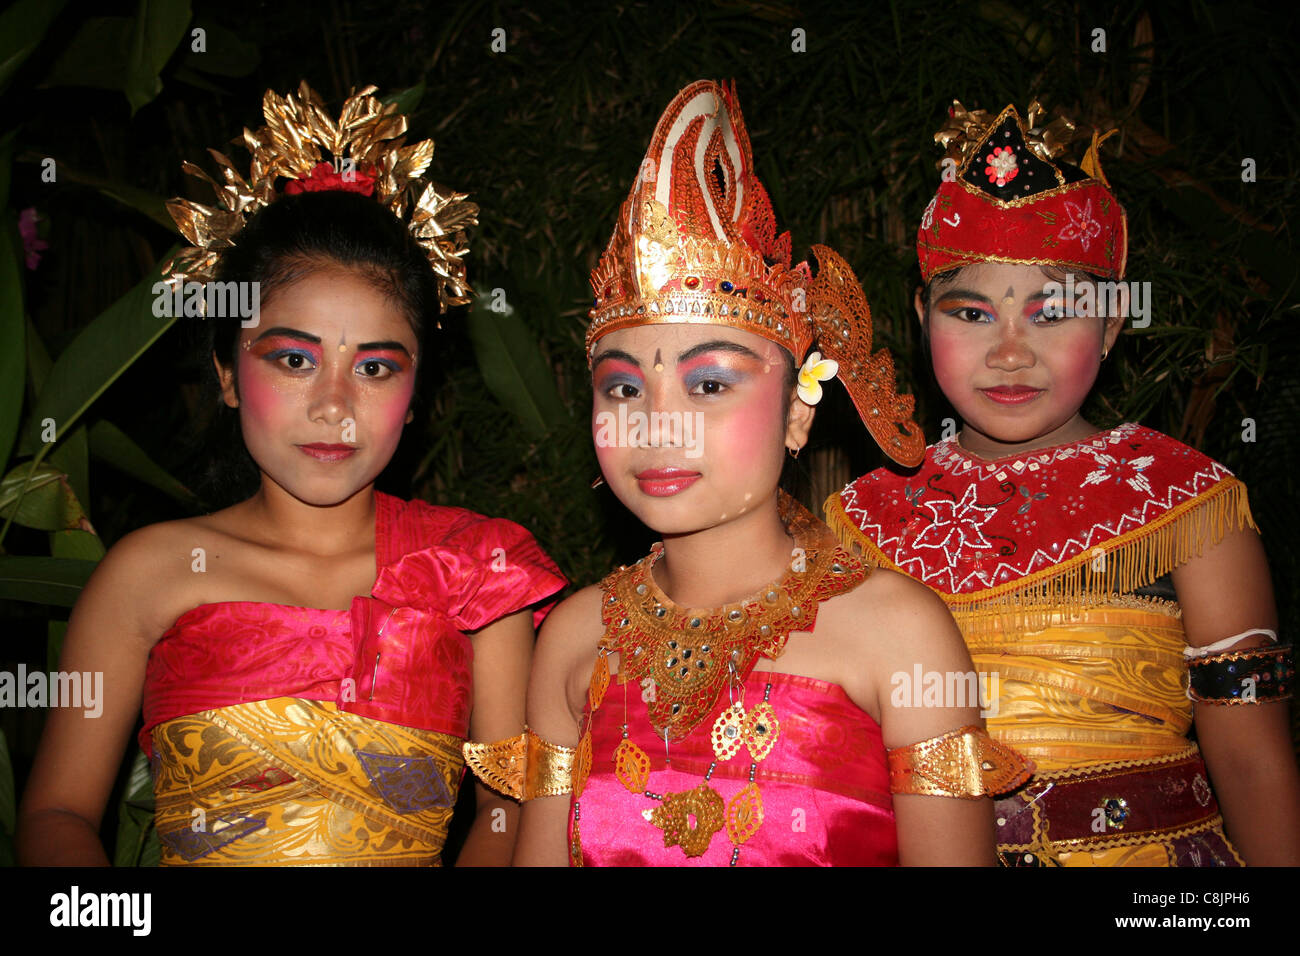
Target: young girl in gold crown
(726, 700)
(1108, 583)
(310, 660)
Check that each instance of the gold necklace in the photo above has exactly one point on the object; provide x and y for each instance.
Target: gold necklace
(686, 657)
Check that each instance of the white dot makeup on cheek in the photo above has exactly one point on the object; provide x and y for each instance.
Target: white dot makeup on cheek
(748, 495)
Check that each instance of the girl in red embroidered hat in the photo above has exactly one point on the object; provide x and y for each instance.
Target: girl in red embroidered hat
(309, 660)
(727, 699)
(1109, 584)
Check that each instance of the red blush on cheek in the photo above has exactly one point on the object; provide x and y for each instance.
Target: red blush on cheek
(749, 433)
(951, 359)
(258, 395)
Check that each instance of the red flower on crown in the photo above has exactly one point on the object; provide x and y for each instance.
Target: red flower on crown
(325, 178)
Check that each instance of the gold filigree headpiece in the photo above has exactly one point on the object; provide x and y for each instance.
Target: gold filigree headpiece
(696, 242)
(366, 146)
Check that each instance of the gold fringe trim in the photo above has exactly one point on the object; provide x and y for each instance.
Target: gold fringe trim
(1066, 590)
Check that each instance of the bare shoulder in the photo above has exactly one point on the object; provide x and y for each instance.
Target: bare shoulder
(566, 650)
(156, 573)
(572, 629)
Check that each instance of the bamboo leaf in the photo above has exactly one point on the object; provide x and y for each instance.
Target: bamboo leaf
(43, 580)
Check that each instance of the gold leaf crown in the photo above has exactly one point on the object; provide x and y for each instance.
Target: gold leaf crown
(368, 141)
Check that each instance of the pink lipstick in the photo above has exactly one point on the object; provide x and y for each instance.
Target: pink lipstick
(665, 482)
(324, 452)
(1012, 394)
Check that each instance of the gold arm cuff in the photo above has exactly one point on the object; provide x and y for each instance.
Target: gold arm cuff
(522, 767)
(965, 763)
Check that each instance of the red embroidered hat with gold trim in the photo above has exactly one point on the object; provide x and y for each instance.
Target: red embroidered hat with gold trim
(696, 242)
(1011, 200)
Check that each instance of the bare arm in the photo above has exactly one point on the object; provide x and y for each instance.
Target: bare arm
(502, 654)
(566, 646)
(79, 756)
(1247, 748)
(932, 831)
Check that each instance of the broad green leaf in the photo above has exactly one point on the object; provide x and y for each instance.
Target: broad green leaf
(226, 53)
(22, 27)
(137, 841)
(38, 360)
(76, 543)
(72, 457)
(94, 55)
(101, 352)
(43, 498)
(513, 367)
(110, 444)
(407, 100)
(158, 28)
(141, 200)
(42, 580)
(12, 349)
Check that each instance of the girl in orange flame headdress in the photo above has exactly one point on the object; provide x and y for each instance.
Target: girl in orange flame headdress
(309, 660)
(726, 700)
(1111, 580)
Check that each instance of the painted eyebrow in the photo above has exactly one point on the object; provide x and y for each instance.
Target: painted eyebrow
(722, 345)
(963, 294)
(614, 354)
(389, 346)
(281, 330)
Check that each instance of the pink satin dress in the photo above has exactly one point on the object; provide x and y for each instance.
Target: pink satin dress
(824, 785)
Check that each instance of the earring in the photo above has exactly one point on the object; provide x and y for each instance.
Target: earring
(1104, 353)
(794, 452)
(600, 480)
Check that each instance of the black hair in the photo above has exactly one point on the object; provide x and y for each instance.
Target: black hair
(284, 242)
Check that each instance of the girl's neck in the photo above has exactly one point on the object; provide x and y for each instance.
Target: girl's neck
(291, 524)
(990, 449)
(727, 563)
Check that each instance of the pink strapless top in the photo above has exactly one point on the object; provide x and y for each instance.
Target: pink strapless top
(398, 654)
(824, 785)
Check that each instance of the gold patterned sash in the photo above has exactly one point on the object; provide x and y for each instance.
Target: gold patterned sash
(287, 781)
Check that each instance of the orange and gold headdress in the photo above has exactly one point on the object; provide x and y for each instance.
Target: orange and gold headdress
(696, 242)
(366, 145)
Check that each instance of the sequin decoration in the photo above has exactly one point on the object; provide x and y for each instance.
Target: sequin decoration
(690, 819)
(582, 765)
(728, 732)
(631, 766)
(761, 728)
(744, 814)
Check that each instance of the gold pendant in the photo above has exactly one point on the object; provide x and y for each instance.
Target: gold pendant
(582, 765)
(599, 682)
(744, 814)
(761, 730)
(631, 766)
(728, 732)
(674, 816)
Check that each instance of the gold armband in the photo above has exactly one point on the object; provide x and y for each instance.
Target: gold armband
(522, 767)
(965, 763)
